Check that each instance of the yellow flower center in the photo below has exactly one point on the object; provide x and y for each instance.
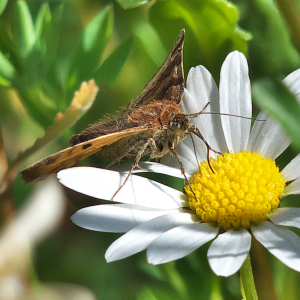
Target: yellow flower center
(243, 188)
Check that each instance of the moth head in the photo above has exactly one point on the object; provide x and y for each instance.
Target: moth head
(179, 123)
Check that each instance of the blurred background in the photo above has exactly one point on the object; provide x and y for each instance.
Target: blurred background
(46, 50)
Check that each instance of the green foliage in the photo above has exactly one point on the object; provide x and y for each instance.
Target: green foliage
(271, 51)
(211, 26)
(151, 42)
(93, 42)
(110, 68)
(31, 62)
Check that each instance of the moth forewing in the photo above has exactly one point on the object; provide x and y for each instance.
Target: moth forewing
(168, 82)
(71, 155)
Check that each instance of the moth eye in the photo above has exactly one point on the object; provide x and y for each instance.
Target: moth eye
(175, 125)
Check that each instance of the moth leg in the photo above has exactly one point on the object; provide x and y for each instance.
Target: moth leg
(140, 154)
(118, 159)
(173, 151)
(196, 131)
(112, 163)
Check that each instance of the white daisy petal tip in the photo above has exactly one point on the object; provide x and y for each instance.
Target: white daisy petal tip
(235, 99)
(228, 252)
(286, 216)
(282, 243)
(140, 237)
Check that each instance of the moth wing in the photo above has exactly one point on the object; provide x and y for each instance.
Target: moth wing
(168, 81)
(71, 155)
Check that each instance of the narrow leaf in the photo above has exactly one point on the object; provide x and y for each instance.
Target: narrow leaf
(23, 29)
(7, 70)
(132, 3)
(151, 41)
(94, 41)
(2, 5)
(7, 46)
(111, 67)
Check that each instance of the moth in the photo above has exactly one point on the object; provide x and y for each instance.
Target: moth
(151, 124)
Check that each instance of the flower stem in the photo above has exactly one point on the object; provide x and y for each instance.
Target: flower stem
(247, 281)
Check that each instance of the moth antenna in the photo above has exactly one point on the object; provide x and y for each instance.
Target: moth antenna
(202, 112)
(198, 113)
(223, 114)
(173, 151)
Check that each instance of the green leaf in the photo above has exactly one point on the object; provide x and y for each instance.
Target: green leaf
(151, 41)
(7, 70)
(93, 42)
(47, 30)
(53, 37)
(39, 106)
(275, 98)
(36, 60)
(7, 47)
(211, 29)
(51, 84)
(111, 67)
(132, 3)
(42, 20)
(98, 31)
(23, 29)
(2, 5)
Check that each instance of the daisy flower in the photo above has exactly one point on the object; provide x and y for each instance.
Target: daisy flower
(238, 200)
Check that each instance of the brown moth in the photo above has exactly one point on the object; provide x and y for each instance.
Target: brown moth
(151, 124)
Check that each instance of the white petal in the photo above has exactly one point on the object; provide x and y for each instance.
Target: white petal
(115, 217)
(286, 216)
(148, 166)
(202, 89)
(267, 137)
(200, 147)
(228, 252)
(179, 242)
(102, 183)
(292, 170)
(292, 81)
(282, 243)
(235, 99)
(139, 238)
(293, 188)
